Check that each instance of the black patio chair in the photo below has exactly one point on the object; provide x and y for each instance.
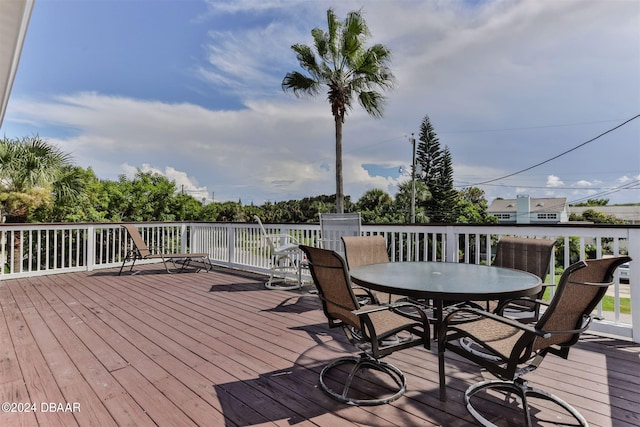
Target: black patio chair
(518, 348)
(376, 330)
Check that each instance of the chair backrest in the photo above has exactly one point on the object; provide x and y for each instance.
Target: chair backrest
(137, 239)
(265, 236)
(331, 277)
(530, 255)
(581, 288)
(335, 225)
(364, 250)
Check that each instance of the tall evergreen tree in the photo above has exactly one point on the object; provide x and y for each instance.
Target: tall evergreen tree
(437, 174)
(428, 155)
(445, 192)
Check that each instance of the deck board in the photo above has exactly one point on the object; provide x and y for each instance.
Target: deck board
(218, 349)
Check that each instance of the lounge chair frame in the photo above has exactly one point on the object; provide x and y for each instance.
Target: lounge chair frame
(179, 261)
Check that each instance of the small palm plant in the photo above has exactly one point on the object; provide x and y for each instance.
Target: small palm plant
(32, 173)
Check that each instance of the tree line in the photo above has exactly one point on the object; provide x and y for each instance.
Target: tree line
(39, 183)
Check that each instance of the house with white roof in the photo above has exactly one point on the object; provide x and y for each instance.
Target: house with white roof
(527, 210)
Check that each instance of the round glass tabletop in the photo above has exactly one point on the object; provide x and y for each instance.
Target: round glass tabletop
(447, 281)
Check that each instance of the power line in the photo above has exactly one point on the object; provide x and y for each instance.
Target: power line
(554, 207)
(525, 128)
(628, 186)
(539, 187)
(559, 155)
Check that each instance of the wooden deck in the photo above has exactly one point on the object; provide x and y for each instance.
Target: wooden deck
(218, 349)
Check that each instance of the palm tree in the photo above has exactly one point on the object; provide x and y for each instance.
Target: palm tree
(348, 69)
(32, 174)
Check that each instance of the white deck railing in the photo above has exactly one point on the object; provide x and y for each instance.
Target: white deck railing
(39, 249)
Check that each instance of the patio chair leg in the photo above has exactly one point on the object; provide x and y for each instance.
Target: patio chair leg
(362, 363)
(164, 262)
(130, 256)
(132, 264)
(521, 389)
(275, 265)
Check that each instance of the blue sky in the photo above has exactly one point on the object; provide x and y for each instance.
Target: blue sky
(191, 89)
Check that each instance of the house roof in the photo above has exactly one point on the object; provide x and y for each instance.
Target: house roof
(555, 204)
(14, 20)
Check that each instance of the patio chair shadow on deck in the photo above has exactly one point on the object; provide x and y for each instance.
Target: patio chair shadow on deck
(140, 251)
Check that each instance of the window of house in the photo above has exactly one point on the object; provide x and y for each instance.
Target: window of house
(547, 216)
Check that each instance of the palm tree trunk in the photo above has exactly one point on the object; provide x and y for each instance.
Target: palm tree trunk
(339, 185)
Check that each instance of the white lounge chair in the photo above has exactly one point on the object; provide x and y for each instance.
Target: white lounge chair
(285, 258)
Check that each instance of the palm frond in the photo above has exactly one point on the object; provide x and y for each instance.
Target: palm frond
(354, 36)
(321, 42)
(333, 34)
(373, 103)
(306, 58)
(300, 84)
(69, 186)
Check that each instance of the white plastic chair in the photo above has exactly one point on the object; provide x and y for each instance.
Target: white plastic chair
(333, 226)
(285, 257)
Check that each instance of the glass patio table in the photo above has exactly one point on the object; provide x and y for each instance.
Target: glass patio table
(446, 281)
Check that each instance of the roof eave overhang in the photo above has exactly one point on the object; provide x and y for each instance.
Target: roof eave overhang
(14, 20)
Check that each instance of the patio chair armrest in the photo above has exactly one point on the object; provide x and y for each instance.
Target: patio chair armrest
(288, 238)
(486, 314)
(546, 286)
(505, 303)
(382, 307)
(394, 307)
(586, 322)
(370, 309)
(360, 291)
(422, 315)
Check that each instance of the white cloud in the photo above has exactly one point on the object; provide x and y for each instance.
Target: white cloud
(554, 181)
(184, 183)
(504, 84)
(627, 179)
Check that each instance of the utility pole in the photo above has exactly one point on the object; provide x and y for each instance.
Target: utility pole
(413, 181)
